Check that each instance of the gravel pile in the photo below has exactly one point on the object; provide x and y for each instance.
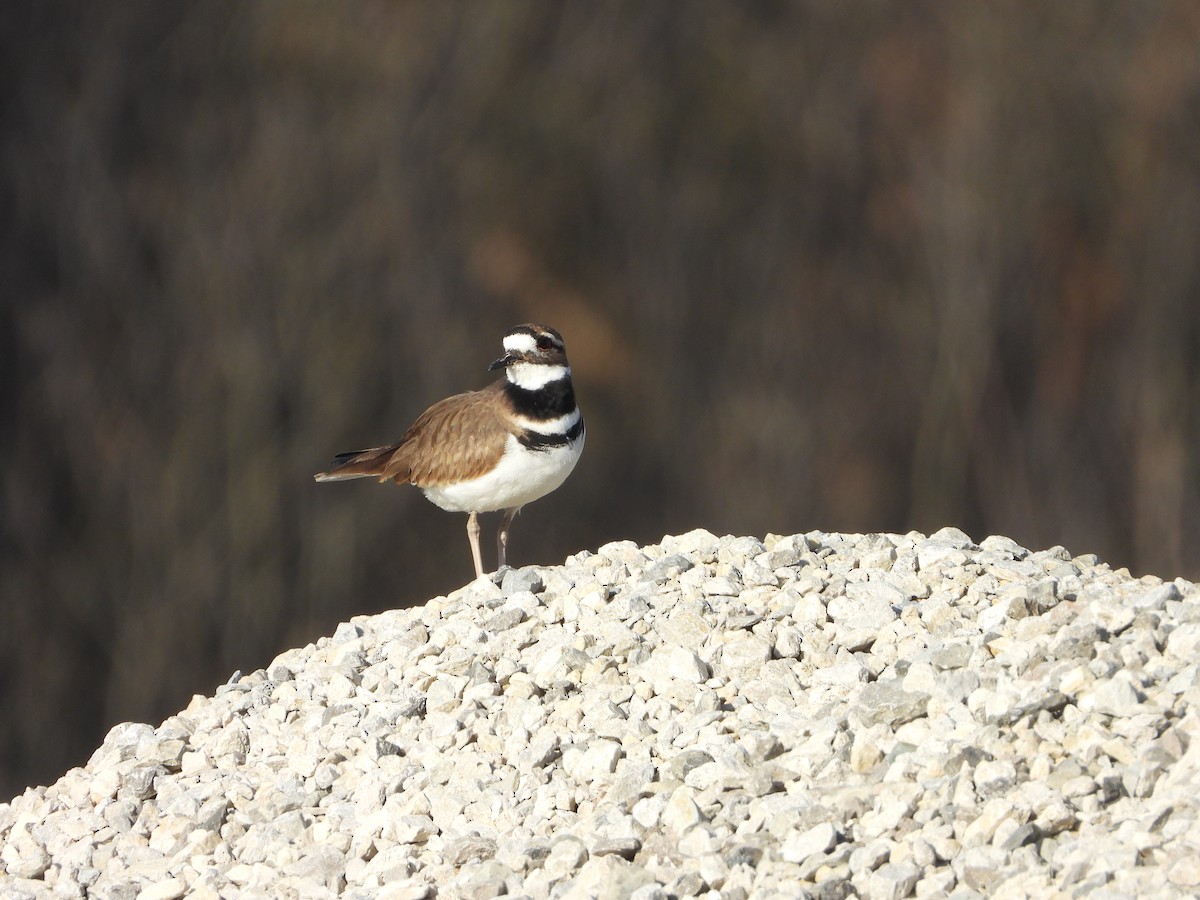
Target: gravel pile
(818, 715)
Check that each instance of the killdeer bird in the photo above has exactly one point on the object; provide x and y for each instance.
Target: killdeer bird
(490, 450)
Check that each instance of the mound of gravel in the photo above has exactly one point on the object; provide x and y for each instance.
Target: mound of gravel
(817, 715)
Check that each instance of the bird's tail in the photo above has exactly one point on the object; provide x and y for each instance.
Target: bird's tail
(360, 464)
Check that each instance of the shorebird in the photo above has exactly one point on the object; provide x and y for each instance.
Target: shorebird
(491, 450)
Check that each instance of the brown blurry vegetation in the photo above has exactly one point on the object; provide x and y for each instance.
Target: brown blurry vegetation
(819, 265)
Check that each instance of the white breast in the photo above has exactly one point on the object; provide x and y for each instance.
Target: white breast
(521, 476)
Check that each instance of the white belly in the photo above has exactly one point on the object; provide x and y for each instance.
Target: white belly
(522, 476)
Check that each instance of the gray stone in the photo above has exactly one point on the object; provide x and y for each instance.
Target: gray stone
(948, 656)
(470, 848)
(668, 568)
(1023, 834)
(1158, 598)
(892, 881)
(526, 579)
(509, 617)
(626, 847)
(885, 703)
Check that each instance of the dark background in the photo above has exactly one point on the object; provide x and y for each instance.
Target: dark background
(839, 266)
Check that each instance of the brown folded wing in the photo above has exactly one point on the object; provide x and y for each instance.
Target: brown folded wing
(456, 439)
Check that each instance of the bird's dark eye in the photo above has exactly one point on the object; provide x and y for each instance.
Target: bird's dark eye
(544, 343)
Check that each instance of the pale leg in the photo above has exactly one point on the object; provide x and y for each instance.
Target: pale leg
(502, 535)
(473, 537)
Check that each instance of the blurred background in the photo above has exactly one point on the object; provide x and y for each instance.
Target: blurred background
(838, 266)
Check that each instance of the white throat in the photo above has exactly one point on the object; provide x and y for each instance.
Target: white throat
(534, 376)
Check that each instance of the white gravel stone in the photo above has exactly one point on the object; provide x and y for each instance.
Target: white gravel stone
(1184, 642)
(808, 715)
(681, 811)
(1115, 696)
(744, 654)
(798, 847)
(892, 881)
(170, 889)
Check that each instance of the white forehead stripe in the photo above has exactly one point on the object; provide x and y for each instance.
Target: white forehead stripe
(520, 343)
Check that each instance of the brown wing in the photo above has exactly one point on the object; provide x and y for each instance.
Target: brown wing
(456, 439)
